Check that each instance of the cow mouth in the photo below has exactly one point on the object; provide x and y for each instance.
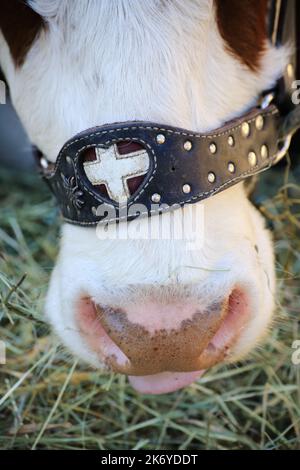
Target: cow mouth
(236, 316)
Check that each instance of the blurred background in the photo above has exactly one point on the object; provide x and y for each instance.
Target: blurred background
(15, 148)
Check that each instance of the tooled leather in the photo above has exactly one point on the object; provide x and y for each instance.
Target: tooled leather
(171, 166)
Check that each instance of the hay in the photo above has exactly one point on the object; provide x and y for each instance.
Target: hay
(48, 400)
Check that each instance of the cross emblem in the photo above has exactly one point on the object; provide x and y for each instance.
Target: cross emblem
(114, 169)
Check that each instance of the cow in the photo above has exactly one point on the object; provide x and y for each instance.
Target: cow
(150, 308)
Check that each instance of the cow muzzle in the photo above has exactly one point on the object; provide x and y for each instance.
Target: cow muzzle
(154, 338)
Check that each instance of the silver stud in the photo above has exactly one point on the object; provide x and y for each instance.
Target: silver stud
(44, 163)
(290, 70)
(156, 198)
(187, 145)
(231, 167)
(252, 158)
(160, 139)
(186, 188)
(212, 147)
(230, 141)
(245, 129)
(211, 177)
(259, 122)
(264, 152)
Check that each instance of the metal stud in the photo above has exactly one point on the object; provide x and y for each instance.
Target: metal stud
(230, 141)
(264, 151)
(245, 129)
(44, 163)
(266, 100)
(187, 145)
(211, 177)
(231, 167)
(290, 70)
(212, 147)
(160, 139)
(186, 188)
(252, 158)
(156, 198)
(259, 122)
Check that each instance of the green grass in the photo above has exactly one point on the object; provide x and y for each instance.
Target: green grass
(48, 400)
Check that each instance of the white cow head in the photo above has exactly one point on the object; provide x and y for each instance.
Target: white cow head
(153, 309)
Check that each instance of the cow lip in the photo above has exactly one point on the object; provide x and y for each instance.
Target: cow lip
(218, 349)
(164, 382)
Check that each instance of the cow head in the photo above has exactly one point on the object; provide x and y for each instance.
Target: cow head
(152, 309)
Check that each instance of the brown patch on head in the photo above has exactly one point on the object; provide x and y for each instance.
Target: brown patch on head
(243, 26)
(20, 26)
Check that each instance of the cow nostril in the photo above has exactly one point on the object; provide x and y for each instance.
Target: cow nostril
(94, 334)
(233, 323)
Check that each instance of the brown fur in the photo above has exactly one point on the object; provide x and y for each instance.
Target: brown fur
(20, 26)
(243, 26)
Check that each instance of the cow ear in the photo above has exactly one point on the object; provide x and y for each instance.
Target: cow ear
(20, 26)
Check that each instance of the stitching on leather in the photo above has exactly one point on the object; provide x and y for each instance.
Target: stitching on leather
(230, 130)
(164, 209)
(162, 129)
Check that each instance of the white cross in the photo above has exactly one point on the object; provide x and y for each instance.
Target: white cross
(113, 169)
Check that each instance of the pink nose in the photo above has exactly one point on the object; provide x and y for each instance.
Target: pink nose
(156, 337)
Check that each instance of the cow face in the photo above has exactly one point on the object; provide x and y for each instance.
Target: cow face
(152, 309)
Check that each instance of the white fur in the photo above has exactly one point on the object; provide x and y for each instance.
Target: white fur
(117, 60)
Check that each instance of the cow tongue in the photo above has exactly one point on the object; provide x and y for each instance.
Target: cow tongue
(165, 382)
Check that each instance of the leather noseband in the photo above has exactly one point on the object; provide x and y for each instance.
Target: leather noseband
(184, 166)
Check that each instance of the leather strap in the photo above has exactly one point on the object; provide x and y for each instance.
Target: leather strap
(283, 30)
(214, 162)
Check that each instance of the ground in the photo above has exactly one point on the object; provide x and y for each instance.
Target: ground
(49, 400)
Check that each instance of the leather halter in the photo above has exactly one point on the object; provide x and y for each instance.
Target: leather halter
(183, 166)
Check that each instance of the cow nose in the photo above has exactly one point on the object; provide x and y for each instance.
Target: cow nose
(156, 338)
